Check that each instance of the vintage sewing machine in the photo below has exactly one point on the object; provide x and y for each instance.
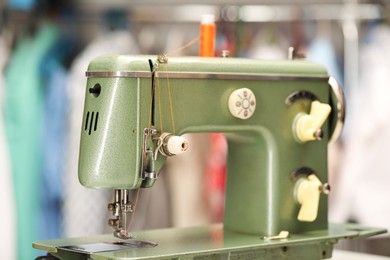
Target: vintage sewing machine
(278, 118)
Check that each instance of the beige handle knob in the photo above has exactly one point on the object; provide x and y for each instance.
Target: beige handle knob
(308, 195)
(169, 144)
(307, 126)
(176, 145)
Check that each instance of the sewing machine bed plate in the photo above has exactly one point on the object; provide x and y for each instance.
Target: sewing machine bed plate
(212, 242)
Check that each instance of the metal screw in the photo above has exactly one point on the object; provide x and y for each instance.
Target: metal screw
(111, 207)
(113, 222)
(325, 188)
(293, 54)
(162, 58)
(225, 53)
(319, 134)
(127, 208)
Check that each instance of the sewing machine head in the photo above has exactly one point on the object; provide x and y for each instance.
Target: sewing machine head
(278, 117)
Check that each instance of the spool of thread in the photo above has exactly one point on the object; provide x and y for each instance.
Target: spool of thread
(207, 36)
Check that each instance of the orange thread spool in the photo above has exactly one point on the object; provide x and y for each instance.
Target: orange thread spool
(207, 36)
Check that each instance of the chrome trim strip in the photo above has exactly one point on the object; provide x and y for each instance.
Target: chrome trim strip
(118, 74)
(198, 75)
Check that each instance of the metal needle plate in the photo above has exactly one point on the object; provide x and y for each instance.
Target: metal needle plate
(108, 246)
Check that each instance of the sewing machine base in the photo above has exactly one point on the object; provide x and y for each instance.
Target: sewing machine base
(210, 242)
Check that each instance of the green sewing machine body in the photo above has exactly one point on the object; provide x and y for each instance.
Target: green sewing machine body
(132, 101)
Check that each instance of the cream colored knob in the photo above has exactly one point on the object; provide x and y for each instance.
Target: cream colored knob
(176, 145)
(308, 126)
(308, 195)
(169, 144)
(242, 103)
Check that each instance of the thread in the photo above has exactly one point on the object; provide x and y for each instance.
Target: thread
(135, 207)
(160, 111)
(184, 46)
(159, 103)
(150, 124)
(207, 36)
(171, 105)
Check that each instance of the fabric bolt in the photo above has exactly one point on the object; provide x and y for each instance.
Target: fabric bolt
(7, 201)
(23, 122)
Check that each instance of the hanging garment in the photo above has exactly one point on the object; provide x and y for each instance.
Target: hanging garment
(85, 210)
(361, 191)
(23, 122)
(268, 44)
(322, 51)
(54, 129)
(7, 202)
(24, 5)
(215, 181)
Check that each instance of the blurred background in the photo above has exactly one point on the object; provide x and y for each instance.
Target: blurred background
(45, 48)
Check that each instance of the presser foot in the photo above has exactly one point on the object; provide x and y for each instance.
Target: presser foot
(122, 210)
(122, 234)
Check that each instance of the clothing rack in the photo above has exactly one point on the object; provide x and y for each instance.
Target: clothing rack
(243, 12)
(121, 3)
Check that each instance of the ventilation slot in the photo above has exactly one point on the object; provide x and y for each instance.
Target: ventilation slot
(91, 122)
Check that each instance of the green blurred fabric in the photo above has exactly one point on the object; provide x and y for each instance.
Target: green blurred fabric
(23, 122)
